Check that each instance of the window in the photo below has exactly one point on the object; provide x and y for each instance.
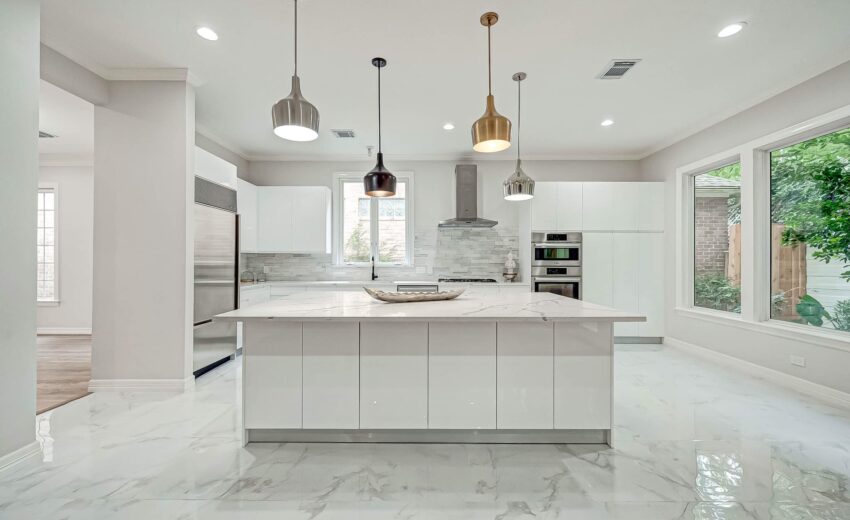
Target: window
(373, 227)
(810, 232)
(46, 246)
(717, 239)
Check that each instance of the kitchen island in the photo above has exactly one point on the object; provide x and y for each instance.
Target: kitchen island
(341, 367)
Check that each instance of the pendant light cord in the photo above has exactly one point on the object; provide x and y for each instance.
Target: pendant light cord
(296, 37)
(518, 115)
(379, 109)
(489, 64)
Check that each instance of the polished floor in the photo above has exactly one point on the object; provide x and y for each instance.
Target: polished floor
(64, 370)
(692, 441)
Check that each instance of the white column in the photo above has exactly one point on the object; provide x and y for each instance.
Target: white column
(143, 202)
(19, 83)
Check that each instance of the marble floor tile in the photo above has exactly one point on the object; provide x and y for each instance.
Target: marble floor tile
(692, 441)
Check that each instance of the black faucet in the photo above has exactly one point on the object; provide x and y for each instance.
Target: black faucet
(374, 276)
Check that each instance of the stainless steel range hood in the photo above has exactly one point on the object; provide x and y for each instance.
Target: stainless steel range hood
(466, 200)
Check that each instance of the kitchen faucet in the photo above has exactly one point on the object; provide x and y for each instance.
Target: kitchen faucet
(374, 276)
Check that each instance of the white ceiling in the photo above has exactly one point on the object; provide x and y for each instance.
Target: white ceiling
(436, 50)
(69, 118)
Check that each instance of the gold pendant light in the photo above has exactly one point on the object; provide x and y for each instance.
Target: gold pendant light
(492, 131)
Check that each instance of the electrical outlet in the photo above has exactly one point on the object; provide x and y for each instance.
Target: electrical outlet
(267, 269)
(799, 361)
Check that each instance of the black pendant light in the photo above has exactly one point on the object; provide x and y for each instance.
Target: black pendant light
(380, 182)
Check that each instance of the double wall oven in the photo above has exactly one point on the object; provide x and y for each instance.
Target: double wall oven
(556, 263)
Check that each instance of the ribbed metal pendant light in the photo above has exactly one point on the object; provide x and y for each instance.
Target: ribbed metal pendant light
(294, 118)
(519, 186)
(492, 131)
(379, 182)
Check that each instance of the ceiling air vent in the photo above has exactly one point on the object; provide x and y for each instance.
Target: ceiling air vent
(616, 69)
(343, 134)
(45, 135)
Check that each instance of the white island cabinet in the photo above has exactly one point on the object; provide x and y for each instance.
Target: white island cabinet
(338, 366)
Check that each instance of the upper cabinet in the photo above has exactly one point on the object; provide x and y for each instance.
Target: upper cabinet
(215, 169)
(246, 206)
(294, 219)
(598, 206)
(284, 219)
(557, 206)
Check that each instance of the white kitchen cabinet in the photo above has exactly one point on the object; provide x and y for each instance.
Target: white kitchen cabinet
(331, 375)
(651, 206)
(597, 268)
(525, 375)
(274, 219)
(625, 279)
(272, 375)
(582, 376)
(462, 375)
(215, 169)
(246, 205)
(557, 206)
(611, 206)
(597, 202)
(393, 375)
(651, 284)
(570, 206)
(544, 206)
(294, 219)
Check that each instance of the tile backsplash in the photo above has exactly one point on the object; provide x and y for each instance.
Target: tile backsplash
(450, 253)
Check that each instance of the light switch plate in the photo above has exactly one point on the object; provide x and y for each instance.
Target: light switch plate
(799, 361)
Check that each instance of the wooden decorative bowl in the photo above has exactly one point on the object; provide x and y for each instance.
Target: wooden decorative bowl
(412, 296)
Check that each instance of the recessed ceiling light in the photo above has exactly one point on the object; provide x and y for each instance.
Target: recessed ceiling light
(607, 122)
(207, 33)
(449, 126)
(731, 29)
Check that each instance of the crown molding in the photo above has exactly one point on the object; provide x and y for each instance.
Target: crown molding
(66, 159)
(221, 141)
(154, 74)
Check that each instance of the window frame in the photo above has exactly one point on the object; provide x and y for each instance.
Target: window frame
(54, 188)
(755, 233)
(337, 229)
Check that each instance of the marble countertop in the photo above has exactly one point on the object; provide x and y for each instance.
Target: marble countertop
(356, 306)
(376, 283)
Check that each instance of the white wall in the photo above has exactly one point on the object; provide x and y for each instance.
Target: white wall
(19, 84)
(819, 95)
(202, 141)
(434, 181)
(143, 207)
(75, 226)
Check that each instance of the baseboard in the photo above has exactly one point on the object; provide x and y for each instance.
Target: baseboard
(63, 331)
(141, 385)
(21, 454)
(825, 393)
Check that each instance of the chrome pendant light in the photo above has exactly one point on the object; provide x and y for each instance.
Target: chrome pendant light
(294, 118)
(492, 131)
(519, 186)
(379, 182)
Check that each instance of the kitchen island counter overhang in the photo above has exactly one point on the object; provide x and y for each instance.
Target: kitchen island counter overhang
(339, 366)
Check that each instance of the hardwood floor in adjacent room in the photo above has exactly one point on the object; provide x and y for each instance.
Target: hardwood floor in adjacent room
(64, 370)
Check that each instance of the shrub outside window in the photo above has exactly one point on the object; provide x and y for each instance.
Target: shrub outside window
(810, 232)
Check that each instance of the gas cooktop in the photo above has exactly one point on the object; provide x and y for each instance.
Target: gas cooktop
(466, 280)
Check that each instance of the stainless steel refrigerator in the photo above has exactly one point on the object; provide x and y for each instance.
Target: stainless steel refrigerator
(216, 274)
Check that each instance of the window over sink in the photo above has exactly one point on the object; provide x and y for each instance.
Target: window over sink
(372, 227)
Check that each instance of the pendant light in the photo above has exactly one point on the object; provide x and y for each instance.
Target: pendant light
(492, 131)
(519, 186)
(379, 182)
(294, 118)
